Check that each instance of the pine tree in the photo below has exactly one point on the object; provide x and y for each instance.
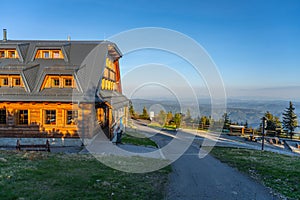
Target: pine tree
(145, 114)
(290, 120)
(205, 122)
(246, 124)
(271, 125)
(226, 121)
(131, 110)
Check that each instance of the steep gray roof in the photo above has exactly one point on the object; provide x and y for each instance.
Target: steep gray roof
(114, 98)
(33, 71)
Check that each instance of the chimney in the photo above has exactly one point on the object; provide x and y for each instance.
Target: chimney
(4, 35)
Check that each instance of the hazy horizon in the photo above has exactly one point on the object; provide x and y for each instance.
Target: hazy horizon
(267, 94)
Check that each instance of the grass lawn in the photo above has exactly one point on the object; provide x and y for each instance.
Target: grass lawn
(41, 175)
(279, 172)
(136, 138)
(166, 127)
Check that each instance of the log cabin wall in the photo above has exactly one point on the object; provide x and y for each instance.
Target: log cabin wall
(64, 119)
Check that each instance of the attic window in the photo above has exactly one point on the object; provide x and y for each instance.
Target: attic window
(8, 53)
(11, 54)
(17, 81)
(2, 54)
(46, 54)
(55, 82)
(68, 82)
(49, 54)
(4, 81)
(56, 54)
(11, 81)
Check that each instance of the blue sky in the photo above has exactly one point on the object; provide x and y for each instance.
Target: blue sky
(255, 44)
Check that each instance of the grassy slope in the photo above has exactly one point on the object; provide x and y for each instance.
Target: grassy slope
(136, 138)
(280, 172)
(35, 175)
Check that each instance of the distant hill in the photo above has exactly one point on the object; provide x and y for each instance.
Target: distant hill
(239, 110)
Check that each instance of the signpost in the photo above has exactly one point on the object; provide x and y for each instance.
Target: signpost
(151, 115)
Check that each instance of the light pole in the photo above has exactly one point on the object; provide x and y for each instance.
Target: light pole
(264, 122)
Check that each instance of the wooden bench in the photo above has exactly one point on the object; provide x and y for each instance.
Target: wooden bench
(33, 147)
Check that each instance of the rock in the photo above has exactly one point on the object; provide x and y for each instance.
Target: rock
(3, 160)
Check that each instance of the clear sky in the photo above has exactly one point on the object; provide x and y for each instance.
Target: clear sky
(255, 44)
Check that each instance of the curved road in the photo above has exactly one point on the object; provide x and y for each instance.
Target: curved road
(195, 179)
(208, 178)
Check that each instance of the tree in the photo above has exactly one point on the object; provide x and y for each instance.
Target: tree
(210, 120)
(145, 114)
(246, 124)
(204, 122)
(169, 118)
(226, 121)
(278, 123)
(271, 125)
(289, 121)
(177, 119)
(131, 110)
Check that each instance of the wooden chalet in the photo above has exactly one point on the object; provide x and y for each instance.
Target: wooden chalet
(43, 89)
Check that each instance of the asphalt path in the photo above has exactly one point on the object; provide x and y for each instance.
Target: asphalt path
(193, 178)
(208, 178)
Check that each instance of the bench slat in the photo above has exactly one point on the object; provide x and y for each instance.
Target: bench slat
(36, 147)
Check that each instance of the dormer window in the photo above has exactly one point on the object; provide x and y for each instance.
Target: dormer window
(11, 54)
(4, 81)
(17, 81)
(8, 53)
(45, 54)
(11, 81)
(68, 82)
(2, 54)
(56, 54)
(49, 54)
(55, 82)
